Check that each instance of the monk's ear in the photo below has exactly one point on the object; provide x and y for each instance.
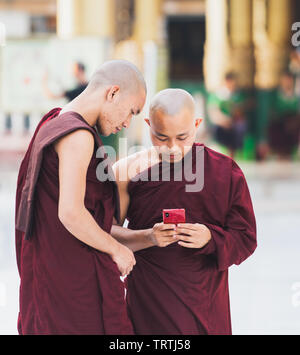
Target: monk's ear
(147, 121)
(198, 122)
(112, 92)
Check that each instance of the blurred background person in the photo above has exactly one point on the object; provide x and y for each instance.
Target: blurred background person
(227, 111)
(79, 74)
(284, 125)
(294, 68)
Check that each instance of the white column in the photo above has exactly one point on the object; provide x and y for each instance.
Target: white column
(66, 20)
(216, 56)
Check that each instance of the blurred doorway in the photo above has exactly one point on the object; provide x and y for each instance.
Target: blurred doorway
(186, 37)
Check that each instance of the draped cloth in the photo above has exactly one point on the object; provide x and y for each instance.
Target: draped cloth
(66, 286)
(178, 290)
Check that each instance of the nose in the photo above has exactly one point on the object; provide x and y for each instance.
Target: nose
(171, 145)
(126, 123)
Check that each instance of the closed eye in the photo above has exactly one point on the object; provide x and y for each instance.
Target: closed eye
(162, 139)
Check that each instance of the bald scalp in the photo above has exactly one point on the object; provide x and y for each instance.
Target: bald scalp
(171, 102)
(121, 73)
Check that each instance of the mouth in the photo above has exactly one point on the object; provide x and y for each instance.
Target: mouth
(173, 156)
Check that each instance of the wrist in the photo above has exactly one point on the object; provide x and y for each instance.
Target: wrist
(148, 237)
(114, 248)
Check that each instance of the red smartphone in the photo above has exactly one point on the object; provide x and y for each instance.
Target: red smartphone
(174, 216)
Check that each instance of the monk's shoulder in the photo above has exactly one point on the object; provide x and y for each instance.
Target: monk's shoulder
(123, 163)
(217, 157)
(65, 125)
(224, 162)
(133, 164)
(78, 140)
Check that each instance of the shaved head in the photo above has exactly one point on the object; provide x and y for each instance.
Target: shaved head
(115, 94)
(172, 123)
(121, 73)
(170, 102)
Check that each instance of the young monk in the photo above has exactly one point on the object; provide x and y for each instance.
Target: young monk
(180, 282)
(69, 264)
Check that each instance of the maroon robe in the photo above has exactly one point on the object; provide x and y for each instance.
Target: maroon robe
(66, 286)
(176, 290)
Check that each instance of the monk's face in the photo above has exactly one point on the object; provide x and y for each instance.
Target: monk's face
(173, 136)
(119, 111)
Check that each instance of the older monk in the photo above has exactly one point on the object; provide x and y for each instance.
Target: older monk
(69, 264)
(180, 282)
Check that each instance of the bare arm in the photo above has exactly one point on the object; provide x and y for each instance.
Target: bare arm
(133, 239)
(74, 153)
(160, 235)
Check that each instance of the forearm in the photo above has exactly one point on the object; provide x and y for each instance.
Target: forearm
(84, 227)
(133, 239)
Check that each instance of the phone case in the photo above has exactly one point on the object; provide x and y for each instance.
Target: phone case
(174, 216)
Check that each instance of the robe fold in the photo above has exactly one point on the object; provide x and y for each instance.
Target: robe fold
(66, 286)
(178, 290)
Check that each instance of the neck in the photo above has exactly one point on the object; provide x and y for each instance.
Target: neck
(85, 106)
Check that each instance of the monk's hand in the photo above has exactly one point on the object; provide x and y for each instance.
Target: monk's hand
(193, 235)
(163, 235)
(124, 258)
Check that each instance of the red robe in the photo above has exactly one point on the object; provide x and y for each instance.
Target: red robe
(176, 290)
(66, 286)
